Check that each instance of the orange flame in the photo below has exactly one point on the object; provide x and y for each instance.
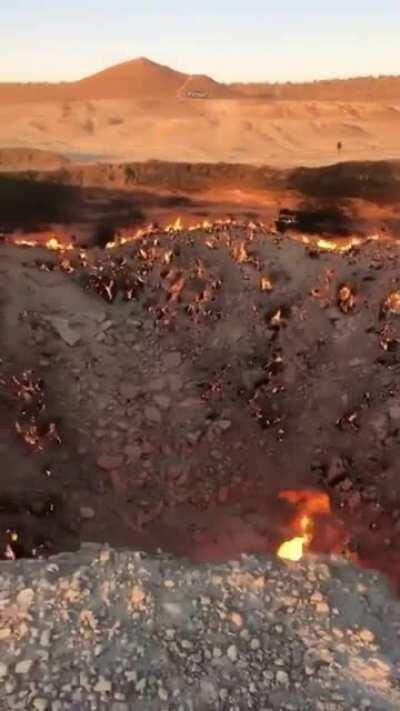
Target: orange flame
(392, 303)
(54, 244)
(176, 226)
(342, 246)
(265, 284)
(308, 505)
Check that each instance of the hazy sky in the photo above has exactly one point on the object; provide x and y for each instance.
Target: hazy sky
(229, 39)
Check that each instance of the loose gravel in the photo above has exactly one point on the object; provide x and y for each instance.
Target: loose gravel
(120, 631)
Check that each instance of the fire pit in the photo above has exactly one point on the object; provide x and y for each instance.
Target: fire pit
(213, 390)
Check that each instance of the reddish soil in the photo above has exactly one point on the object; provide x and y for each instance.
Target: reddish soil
(173, 393)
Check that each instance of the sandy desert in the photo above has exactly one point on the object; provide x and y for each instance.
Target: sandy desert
(140, 110)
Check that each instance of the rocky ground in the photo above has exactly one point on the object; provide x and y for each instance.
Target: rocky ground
(120, 631)
(164, 392)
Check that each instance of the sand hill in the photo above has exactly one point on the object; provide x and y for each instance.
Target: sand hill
(139, 78)
(142, 78)
(141, 110)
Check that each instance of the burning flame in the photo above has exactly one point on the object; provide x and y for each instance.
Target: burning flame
(239, 253)
(333, 246)
(265, 284)
(308, 505)
(294, 548)
(176, 226)
(392, 303)
(54, 244)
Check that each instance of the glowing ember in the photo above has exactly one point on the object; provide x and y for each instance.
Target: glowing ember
(326, 245)
(265, 284)
(25, 243)
(346, 299)
(308, 505)
(9, 552)
(343, 246)
(176, 226)
(53, 243)
(293, 550)
(239, 253)
(176, 287)
(392, 303)
(276, 319)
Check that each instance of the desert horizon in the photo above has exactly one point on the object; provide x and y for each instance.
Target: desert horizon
(141, 110)
(356, 80)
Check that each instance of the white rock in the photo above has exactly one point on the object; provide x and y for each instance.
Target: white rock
(45, 638)
(282, 677)
(141, 685)
(3, 670)
(25, 598)
(40, 704)
(255, 644)
(24, 666)
(232, 653)
(86, 512)
(102, 686)
(173, 609)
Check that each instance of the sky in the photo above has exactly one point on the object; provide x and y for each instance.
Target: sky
(231, 40)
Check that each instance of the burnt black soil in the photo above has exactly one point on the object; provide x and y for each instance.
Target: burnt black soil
(155, 395)
(91, 202)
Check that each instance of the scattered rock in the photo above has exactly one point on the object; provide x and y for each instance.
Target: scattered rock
(175, 382)
(141, 685)
(282, 677)
(172, 360)
(132, 452)
(337, 471)
(354, 500)
(194, 437)
(45, 638)
(86, 512)
(367, 636)
(40, 704)
(223, 494)
(129, 391)
(109, 462)
(153, 414)
(394, 411)
(163, 401)
(163, 694)
(158, 384)
(62, 326)
(370, 493)
(24, 666)
(379, 422)
(103, 686)
(25, 598)
(3, 670)
(224, 425)
(237, 619)
(232, 653)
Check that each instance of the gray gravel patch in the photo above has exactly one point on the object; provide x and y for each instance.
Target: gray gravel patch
(120, 631)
